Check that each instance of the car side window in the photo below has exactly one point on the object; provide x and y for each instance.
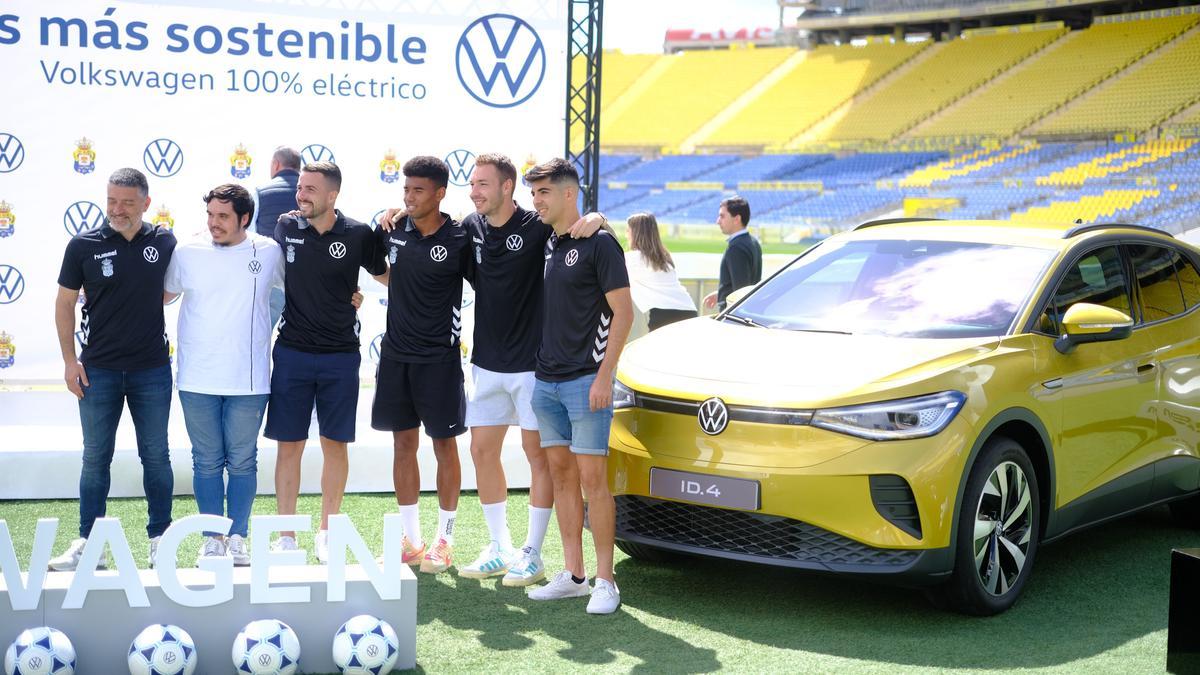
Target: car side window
(1097, 278)
(1189, 282)
(1158, 281)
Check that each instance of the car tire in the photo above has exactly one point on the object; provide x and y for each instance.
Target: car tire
(1186, 512)
(647, 553)
(992, 563)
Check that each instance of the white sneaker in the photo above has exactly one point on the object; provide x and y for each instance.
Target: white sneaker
(236, 547)
(284, 544)
(69, 560)
(492, 562)
(154, 551)
(526, 570)
(561, 586)
(606, 598)
(322, 546)
(213, 548)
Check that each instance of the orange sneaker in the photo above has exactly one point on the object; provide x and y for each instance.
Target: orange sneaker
(439, 558)
(409, 554)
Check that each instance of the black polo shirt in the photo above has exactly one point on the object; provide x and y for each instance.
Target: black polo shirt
(508, 290)
(122, 326)
(576, 315)
(321, 276)
(424, 312)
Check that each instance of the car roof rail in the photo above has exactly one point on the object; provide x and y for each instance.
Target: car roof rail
(890, 221)
(1083, 229)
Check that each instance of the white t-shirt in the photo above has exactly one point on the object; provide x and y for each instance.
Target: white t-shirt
(652, 289)
(224, 333)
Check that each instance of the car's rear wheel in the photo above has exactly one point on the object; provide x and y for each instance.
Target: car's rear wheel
(646, 553)
(998, 530)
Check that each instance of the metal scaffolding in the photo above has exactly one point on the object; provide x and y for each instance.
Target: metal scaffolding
(584, 21)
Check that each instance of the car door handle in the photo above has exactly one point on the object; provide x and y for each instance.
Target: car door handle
(1145, 368)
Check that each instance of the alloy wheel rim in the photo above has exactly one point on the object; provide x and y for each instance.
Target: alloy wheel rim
(1003, 528)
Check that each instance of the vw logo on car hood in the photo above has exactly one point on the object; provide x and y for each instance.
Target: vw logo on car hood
(713, 416)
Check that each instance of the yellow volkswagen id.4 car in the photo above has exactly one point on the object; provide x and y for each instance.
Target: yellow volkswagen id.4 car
(919, 400)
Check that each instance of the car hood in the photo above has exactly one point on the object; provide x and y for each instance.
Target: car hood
(702, 357)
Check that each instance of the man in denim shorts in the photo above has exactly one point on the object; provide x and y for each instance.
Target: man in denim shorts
(588, 313)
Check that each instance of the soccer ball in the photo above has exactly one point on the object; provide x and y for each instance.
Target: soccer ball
(365, 645)
(266, 647)
(40, 651)
(162, 649)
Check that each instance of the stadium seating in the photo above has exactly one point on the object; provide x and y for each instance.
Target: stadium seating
(958, 67)
(692, 88)
(813, 88)
(1060, 73)
(1165, 82)
(1120, 160)
(1087, 208)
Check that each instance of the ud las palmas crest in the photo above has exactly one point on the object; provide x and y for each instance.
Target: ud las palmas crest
(85, 156)
(163, 218)
(8, 221)
(8, 350)
(106, 267)
(389, 168)
(239, 162)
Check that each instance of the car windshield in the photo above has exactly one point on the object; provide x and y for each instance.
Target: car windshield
(921, 289)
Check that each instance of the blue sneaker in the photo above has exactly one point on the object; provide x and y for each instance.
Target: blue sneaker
(526, 569)
(492, 562)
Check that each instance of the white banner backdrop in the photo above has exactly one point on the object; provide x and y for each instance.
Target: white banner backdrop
(195, 93)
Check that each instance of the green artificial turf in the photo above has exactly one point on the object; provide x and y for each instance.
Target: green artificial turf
(1097, 603)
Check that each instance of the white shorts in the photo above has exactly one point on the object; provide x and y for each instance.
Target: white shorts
(500, 399)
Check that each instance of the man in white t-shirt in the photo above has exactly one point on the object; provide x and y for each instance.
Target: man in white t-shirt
(224, 339)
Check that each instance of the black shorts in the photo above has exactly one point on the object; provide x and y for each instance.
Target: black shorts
(301, 379)
(408, 395)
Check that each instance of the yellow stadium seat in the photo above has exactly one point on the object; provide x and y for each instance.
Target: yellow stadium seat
(1087, 209)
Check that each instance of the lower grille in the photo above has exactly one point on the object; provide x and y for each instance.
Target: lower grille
(740, 534)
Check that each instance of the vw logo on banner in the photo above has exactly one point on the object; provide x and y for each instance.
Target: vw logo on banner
(376, 348)
(713, 416)
(316, 153)
(461, 163)
(501, 60)
(163, 157)
(12, 152)
(12, 284)
(82, 216)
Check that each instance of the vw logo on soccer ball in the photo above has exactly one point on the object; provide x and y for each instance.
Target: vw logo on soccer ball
(316, 153)
(501, 60)
(163, 157)
(150, 254)
(82, 216)
(461, 163)
(12, 284)
(572, 257)
(438, 253)
(12, 153)
(338, 250)
(713, 416)
(514, 242)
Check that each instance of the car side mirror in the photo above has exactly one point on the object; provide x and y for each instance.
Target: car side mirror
(1085, 322)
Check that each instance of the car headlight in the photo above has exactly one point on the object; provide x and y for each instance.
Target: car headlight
(916, 417)
(623, 397)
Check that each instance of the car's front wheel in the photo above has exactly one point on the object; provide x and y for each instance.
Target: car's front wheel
(998, 530)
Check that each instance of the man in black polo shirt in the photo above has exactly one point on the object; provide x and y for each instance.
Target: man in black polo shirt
(125, 358)
(741, 264)
(588, 312)
(508, 242)
(275, 199)
(316, 355)
(420, 378)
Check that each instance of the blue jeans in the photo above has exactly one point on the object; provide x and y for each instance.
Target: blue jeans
(148, 393)
(224, 433)
(565, 416)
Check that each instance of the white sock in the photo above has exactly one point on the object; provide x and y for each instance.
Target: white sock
(539, 520)
(410, 517)
(446, 525)
(496, 517)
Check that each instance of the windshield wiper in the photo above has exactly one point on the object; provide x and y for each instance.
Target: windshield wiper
(744, 320)
(818, 330)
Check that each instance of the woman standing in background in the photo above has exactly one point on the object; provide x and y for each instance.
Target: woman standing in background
(652, 279)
